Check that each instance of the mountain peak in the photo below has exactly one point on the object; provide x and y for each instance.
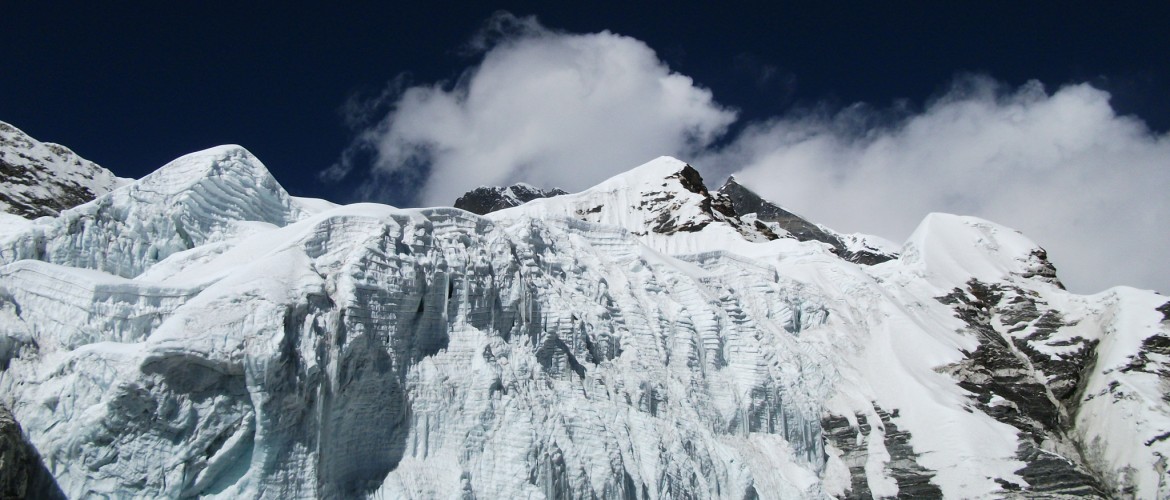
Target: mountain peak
(229, 161)
(667, 197)
(651, 173)
(957, 248)
(485, 199)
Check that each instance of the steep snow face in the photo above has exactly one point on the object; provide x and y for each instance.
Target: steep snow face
(954, 249)
(200, 332)
(362, 349)
(662, 202)
(38, 179)
(1082, 380)
(1123, 420)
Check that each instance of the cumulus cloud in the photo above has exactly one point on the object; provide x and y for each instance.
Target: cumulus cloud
(1089, 185)
(569, 110)
(548, 108)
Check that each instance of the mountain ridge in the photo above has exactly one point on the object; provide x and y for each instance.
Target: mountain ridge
(646, 337)
(484, 200)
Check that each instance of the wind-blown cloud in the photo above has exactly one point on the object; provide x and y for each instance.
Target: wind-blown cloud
(1063, 168)
(548, 108)
(569, 110)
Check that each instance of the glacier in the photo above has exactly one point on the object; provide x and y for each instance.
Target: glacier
(200, 332)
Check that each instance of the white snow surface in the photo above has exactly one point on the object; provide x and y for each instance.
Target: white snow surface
(199, 332)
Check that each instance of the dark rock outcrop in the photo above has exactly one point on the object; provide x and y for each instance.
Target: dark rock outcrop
(484, 200)
(746, 201)
(714, 207)
(22, 473)
(912, 478)
(1154, 347)
(1042, 269)
(33, 205)
(1005, 375)
(39, 179)
(844, 437)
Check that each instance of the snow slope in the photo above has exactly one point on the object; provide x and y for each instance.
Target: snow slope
(199, 332)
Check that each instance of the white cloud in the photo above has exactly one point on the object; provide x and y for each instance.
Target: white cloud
(1090, 186)
(569, 110)
(548, 108)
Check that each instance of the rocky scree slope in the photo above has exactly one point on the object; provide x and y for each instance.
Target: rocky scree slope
(38, 179)
(201, 333)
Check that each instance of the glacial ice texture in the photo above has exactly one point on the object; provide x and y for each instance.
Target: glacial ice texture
(201, 333)
(346, 352)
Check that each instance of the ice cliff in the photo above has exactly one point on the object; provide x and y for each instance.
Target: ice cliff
(199, 332)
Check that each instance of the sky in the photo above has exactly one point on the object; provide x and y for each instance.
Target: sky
(1051, 118)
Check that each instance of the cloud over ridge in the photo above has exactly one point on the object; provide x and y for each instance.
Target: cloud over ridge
(569, 110)
(548, 108)
(1063, 168)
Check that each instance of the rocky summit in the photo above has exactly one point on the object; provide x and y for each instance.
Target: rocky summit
(484, 200)
(199, 332)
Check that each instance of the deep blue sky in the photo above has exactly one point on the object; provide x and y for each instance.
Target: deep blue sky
(134, 86)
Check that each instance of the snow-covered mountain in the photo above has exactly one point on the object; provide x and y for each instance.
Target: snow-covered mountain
(199, 332)
(39, 178)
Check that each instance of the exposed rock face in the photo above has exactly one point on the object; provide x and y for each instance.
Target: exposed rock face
(1042, 269)
(1013, 379)
(745, 201)
(483, 200)
(911, 478)
(22, 474)
(705, 208)
(38, 179)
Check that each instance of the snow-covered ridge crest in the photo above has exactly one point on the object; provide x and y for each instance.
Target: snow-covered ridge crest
(667, 205)
(200, 198)
(201, 333)
(955, 249)
(231, 163)
(664, 202)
